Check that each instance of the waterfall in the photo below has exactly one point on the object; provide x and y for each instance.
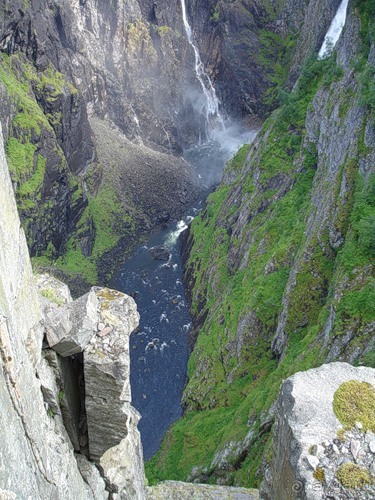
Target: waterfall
(211, 109)
(136, 121)
(334, 32)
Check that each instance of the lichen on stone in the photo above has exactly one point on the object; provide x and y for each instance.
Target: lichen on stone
(109, 294)
(353, 402)
(51, 294)
(353, 476)
(319, 475)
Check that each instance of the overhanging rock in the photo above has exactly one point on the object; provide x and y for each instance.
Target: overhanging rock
(69, 328)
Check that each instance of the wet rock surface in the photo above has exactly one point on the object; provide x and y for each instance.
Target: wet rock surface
(160, 253)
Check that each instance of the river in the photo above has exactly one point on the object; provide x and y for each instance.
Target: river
(159, 349)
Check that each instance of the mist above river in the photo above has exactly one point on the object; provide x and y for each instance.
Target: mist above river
(210, 157)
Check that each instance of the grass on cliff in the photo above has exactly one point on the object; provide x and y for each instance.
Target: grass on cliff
(104, 217)
(230, 392)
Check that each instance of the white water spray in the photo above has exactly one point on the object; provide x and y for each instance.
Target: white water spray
(334, 32)
(212, 102)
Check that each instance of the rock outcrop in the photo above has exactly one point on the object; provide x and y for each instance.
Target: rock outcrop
(107, 372)
(37, 459)
(311, 445)
(44, 412)
(69, 329)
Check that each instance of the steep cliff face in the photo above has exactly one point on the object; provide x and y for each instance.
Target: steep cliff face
(60, 64)
(34, 461)
(51, 407)
(279, 265)
(130, 65)
(252, 48)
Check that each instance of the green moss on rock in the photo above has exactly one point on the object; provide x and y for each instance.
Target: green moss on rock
(353, 402)
(353, 476)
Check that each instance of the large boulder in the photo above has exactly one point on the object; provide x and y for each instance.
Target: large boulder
(315, 454)
(69, 329)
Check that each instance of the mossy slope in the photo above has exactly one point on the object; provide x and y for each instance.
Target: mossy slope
(280, 271)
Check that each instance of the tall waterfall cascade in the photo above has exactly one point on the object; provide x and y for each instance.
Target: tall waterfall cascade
(211, 106)
(334, 31)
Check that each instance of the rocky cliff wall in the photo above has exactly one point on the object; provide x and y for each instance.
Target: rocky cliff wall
(49, 409)
(36, 458)
(128, 63)
(280, 265)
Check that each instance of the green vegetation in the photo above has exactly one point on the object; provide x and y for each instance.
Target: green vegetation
(236, 163)
(32, 134)
(215, 16)
(353, 402)
(30, 124)
(366, 71)
(50, 294)
(353, 476)
(109, 221)
(163, 30)
(240, 274)
(275, 57)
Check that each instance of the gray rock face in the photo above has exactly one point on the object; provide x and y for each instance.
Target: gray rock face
(52, 292)
(69, 329)
(114, 440)
(176, 490)
(37, 460)
(39, 394)
(91, 475)
(305, 432)
(106, 368)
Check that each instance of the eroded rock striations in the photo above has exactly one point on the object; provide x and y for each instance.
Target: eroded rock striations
(37, 459)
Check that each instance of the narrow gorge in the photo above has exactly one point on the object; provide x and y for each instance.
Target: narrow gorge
(194, 183)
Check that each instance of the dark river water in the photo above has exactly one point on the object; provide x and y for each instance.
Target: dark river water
(159, 349)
